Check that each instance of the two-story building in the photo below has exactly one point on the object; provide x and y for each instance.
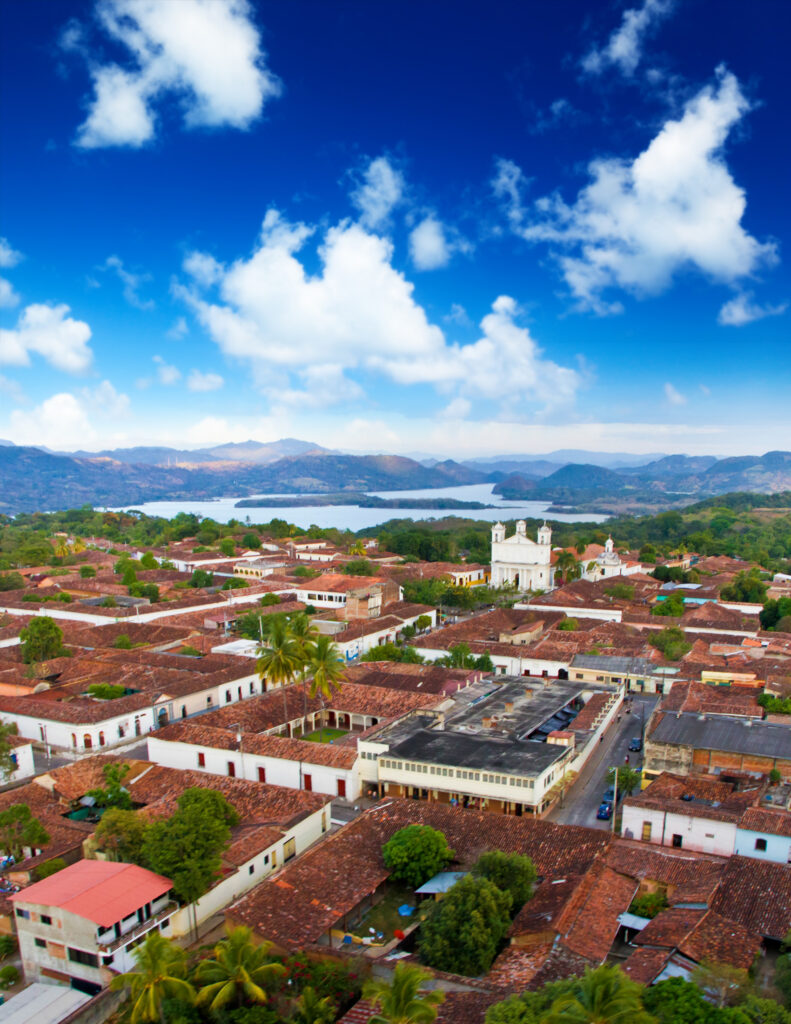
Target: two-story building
(79, 926)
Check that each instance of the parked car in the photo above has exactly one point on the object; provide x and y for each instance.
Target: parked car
(604, 812)
(636, 743)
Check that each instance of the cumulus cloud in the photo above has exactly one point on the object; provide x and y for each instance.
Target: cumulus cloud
(431, 243)
(198, 381)
(359, 313)
(673, 395)
(638, 223)
(166, 374)
(203, 267)
(205, 52)
(131, 282)
(9, 257)
(624, 48)
(178, 330)
(379, 190)
(48, 331)
(8, 297)
(59, 421)
(742, 310)
(105, 398)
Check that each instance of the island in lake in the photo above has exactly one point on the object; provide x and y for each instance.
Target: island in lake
(360, 500)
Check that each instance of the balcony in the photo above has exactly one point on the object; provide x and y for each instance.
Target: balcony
(140, 929)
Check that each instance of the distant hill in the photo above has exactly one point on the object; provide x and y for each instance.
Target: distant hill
(35, 480)
(260, 452)
(246, 451)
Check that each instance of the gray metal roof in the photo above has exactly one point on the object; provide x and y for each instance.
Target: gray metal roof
(721, 733)
(622, 665)
(44, 1004)
(455, 749)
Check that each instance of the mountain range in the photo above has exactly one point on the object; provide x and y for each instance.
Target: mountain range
(37, 479)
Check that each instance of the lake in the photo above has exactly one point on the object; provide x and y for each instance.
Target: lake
(349, 517)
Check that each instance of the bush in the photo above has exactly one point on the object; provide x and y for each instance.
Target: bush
(269, 600)
(106, 691)
(11, 581)
(192, 652)
(649, 904)
(671, 642)
(8, 946)
(415, 854)
(50, 868)
(235, 584)
(9, 976)
(109, 602)
(568, 624)
(463, 933)
(122, 642)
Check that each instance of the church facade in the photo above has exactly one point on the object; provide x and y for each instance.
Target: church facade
(518, 560)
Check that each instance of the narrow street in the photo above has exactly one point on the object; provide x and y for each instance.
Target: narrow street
(582, 801)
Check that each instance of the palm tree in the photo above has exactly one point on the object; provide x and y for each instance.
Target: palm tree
(400, 1000)
(237, 973)
(358, 548)
(77, 546)
(327, 667)
(280, 657)
(305, 633)
(566, 565)
(61, 547)
(159, 975)
(603, 996)
(313, 1010)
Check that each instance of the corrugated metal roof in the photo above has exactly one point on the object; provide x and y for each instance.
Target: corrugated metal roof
(722, 733)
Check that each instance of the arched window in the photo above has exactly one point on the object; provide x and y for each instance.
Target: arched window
(87, 742)
(101, 739)
(74, 739)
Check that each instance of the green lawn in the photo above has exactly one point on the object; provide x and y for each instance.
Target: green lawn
(384, 917)
(325, 735)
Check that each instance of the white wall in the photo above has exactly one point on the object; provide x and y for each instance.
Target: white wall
(278, 771)
(24, 759)
(778, 848)
(699, 834)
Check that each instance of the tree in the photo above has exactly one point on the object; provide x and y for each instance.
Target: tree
(251, 540)
(415, 854)
(673, 605)
(628, 778)
(677, 1001)
(20, 830)
(148, 561)
(87, 572)
(42, 639)
(113, 793)
(423, 622)
(312, 1009)
(327, 668)
(567, 567)
(7, 763)
(359, 567)
(568, 624)
(763, 1011)
(280, 657)
(462, 933)
(11, 581)
(458, 656)
(305, 633)
(401, 1000)
(530, 1007)
(237, 972)
(510, 872)
(61, 547)
(122, 642)
(671, 642)
(268, 600)
(201, 578)
(228, 547)
(721, 982)
(649, 904)
(160, 968)
(745, 586)
(358, 548)
(603, 996)
(121, 834)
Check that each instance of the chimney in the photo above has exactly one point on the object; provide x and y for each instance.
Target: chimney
(509, 706)
(528, 692)
(486, 722)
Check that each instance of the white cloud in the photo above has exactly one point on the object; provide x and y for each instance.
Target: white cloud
(12, 388)
(431, 244)
(50, 332)
(379, 191)
(742, 310)
(638, 223)
(131, 282)
(8, 257)
(178, 330)
(198, 381)
(458, 409)
(60, 421)
(458, 315)
(673, 395)
(8, 297)
(624, 48)
(105, 398)
(359, 313)
(166, 374)
(205, 52)
(203, 267)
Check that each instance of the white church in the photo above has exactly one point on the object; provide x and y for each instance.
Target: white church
(521, 561)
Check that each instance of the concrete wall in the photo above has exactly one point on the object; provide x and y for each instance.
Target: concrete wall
(778, 848)
(699, 834)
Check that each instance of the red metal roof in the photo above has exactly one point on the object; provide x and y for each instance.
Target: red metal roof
(100, 891)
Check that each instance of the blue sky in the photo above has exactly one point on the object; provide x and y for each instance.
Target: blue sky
(454, 228)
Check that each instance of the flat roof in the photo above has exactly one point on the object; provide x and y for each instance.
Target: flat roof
(101, 891)
(514, 757)
(521, 704)
(44, 1004)
(738, 736)
(626, 666)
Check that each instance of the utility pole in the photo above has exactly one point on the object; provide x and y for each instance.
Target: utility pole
(615, 802)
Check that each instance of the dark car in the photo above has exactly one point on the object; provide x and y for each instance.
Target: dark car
(635, 743)
(604, 812)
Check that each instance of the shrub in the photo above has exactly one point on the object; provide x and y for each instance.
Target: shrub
(649, 904)
(268, 600)
(50, 868)
(415, 854)
(106, 691)
(9, 976)
(122, 642)
(7, 946)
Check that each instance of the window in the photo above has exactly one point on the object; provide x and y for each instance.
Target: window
(79, 956)
(262, 774)
(307, 782)
(646, 836)
(251, 869)
(760, 844)
(41, 943)
(201, 759)
(252, 687)
(23, 913)
(46, 919)
(231, 770)
(677, 841)
(289, 850)
(341, 787)
(227, 696)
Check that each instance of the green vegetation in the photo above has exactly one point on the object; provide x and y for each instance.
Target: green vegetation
(106, 691)
(568, 625)
(113, 793)
(52, 867)
(673, 605)
(324, 735)
(649, 904)
(359, 567)
(464, 931)
(401, 1001)
(392, 652)
(459, 656)
(671, 642)
(7, 762)
(41, 640)
(9, 975)
(415, 854)
(628, 778)
(11, 581)
(122, 642)
(775, 705)
(620, 591)
(511, 873)
(19, 829)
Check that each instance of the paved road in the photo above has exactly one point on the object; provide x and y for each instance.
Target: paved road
(582, 801)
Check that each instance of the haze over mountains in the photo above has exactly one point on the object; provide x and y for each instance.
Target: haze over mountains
(37, 479)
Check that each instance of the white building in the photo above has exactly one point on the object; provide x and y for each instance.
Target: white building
(607, 564)
(521, 562)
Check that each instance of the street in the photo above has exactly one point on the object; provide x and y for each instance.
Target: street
(581, 802)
